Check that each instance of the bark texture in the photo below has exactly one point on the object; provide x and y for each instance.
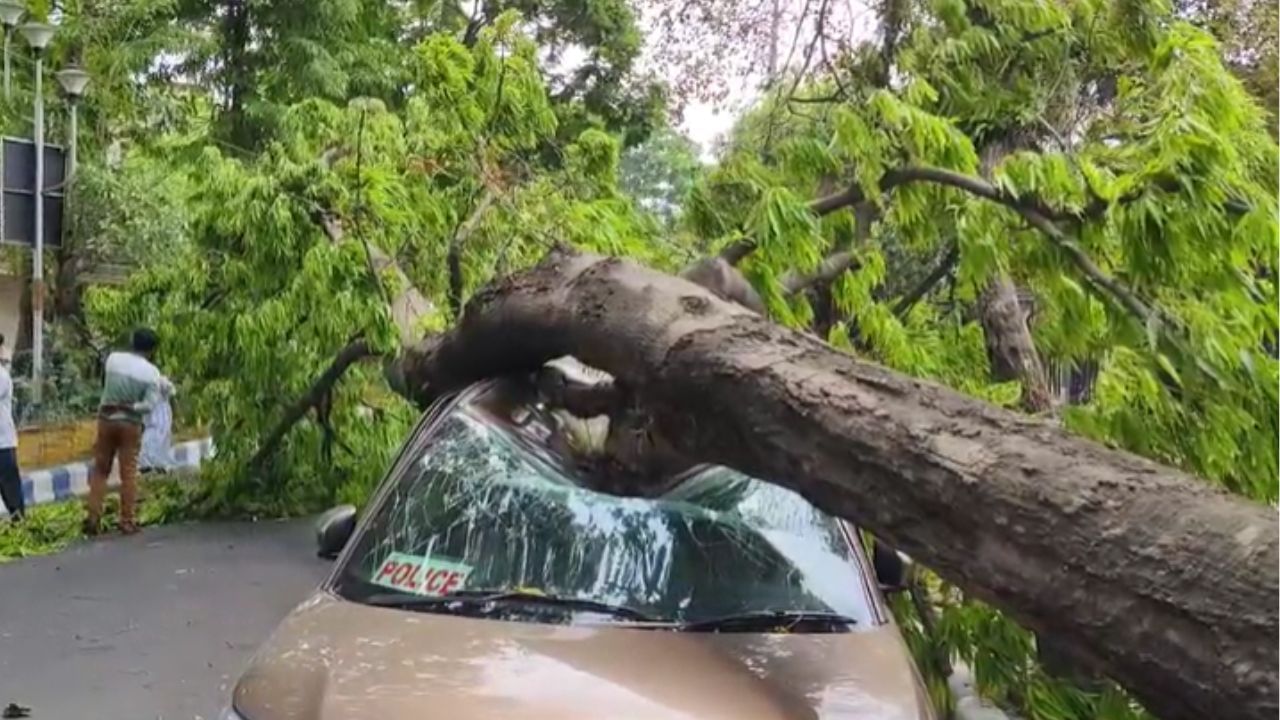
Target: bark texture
(1162, 582)
(1010, 348)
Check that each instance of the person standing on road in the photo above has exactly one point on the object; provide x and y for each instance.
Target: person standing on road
(10, 475)
(131, 387)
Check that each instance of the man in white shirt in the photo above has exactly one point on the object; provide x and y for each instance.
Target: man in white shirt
(10, 476)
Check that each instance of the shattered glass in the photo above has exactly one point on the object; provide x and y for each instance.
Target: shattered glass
(488, 493)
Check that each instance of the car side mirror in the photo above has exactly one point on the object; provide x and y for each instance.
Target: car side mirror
(891, 568)
(334, 529)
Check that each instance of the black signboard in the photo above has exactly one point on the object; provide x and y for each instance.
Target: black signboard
(17, 215)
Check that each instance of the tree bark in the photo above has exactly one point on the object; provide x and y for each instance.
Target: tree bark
(408, 305)
(1010, 348)
(68, 292)
(1164, 583)
(453, 260)
(23, 343)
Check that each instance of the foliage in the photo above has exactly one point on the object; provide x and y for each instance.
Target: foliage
(1247, 30)
(50, 528)
(263, 298)
(660, 173)
(71, 387)
(339, 49)
(127, 215)
(1156, 165)
(710, 48)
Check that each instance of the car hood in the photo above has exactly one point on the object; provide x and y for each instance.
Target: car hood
(336, 660)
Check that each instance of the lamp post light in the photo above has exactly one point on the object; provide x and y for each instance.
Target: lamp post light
(38, 36)
(10, 13)
(74, 81)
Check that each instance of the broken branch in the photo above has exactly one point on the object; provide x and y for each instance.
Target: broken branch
(1161, 581)
(831, 268)
(315, 395)
(460, 236)
(409, 305)
(917, 293)
(834, 265)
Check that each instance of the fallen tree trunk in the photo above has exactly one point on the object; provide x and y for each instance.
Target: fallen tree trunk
(1156, 579)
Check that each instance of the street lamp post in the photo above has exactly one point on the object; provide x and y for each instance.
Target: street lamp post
(10, 14)
(38, 36)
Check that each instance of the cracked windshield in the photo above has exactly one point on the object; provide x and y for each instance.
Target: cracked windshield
(481, 510)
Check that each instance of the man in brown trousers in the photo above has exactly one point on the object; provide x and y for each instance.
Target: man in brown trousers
(131, 387)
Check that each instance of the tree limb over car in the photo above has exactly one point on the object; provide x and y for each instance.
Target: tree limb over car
(1160, 581)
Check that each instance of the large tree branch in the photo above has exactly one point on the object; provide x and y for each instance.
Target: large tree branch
(1006, 330)
(917, 293)
(834, 265)
(1033, 209)
(1164, 583)
(354, 351)
(460, 236)
(854, 194)
(408, 305)
(1035, 214)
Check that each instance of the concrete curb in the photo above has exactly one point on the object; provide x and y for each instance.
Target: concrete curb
(67, 481)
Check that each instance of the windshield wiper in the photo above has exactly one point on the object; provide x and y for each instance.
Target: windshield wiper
(473, 598)
(767, 620)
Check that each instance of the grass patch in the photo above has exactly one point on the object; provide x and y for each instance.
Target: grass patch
(51, 527)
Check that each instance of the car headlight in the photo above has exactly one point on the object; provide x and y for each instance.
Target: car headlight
(230, 714)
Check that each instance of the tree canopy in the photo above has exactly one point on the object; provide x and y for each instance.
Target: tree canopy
(343, 189)
(1099, 154)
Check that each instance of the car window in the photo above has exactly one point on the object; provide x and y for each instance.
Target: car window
(481, 509)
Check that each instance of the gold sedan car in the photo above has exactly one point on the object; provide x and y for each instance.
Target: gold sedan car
(486, 580)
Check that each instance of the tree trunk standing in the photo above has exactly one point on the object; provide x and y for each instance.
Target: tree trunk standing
(236, 72)
(1167, 585)
(825, 313)
(775, 30)
(1010, 348)
(68, 291)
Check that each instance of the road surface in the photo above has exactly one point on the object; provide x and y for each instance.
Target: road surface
(152, 627)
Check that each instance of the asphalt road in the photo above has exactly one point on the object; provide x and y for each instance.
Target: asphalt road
(151, 627)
